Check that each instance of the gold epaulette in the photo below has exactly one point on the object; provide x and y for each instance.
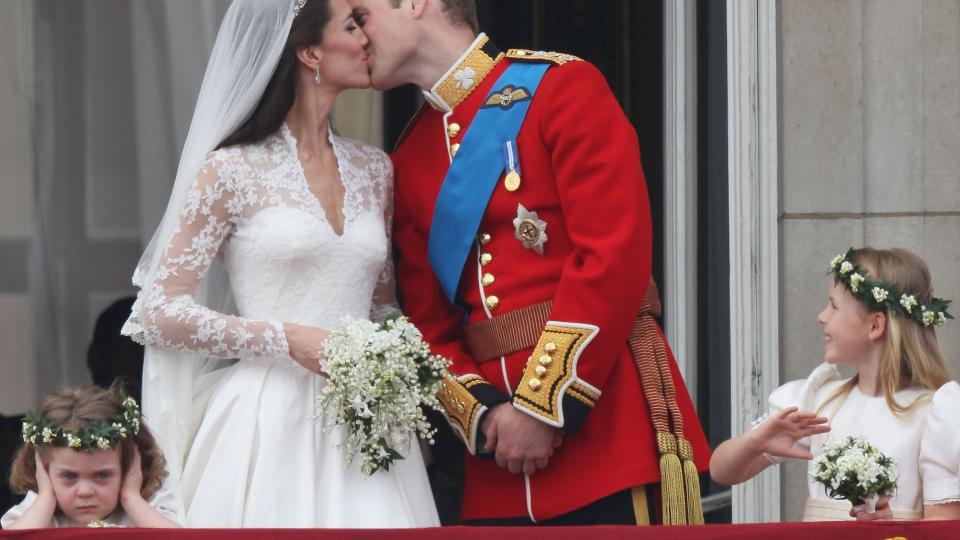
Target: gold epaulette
(526, 55)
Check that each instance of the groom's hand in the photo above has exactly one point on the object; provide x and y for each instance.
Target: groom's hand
(522, 443)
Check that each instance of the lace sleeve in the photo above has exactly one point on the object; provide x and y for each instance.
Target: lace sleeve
(385, 294)
(170, 316)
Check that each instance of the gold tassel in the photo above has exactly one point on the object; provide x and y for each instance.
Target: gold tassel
(691, 480)
(671, 481)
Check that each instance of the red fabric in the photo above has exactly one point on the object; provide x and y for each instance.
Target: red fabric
(923, 530)
(581, 171)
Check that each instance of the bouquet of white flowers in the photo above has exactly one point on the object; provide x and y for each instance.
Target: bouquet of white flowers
(379, 377)
(854, 470)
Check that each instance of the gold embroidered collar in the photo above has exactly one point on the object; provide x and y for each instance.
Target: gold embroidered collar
(465, 75)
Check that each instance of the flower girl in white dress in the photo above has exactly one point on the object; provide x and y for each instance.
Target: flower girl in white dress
(880, 319)
(277, 229)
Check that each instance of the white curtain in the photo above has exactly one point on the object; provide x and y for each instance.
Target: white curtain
(114, 86)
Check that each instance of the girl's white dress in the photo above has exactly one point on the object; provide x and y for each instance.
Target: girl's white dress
(162, 501)
(859, 415)
(940, 449)
(260, 458)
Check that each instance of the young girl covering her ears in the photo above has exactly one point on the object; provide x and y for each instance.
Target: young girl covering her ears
(880, 319)
(87, 460)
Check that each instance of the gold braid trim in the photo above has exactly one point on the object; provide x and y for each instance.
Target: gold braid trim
(466, 76)
(551, 372)
(462, 410)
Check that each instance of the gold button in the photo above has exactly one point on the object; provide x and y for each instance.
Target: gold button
(541, 371)
(485, 259)
(453, 129)
(493, 302)
(545, 360)
(454, 148)
(534, 384)
(461, 408)
(484, 239)
(487, 280)
(550, 348)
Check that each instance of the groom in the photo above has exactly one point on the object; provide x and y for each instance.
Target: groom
(524, 234)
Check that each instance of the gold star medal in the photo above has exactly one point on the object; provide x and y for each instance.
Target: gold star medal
(531, 231)
(512, 180)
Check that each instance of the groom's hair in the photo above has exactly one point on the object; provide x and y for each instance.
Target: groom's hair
(459, 12)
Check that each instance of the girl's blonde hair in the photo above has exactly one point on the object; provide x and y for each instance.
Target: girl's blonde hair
(75, 408)
(911, 353)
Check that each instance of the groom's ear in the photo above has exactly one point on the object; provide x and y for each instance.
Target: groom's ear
(419, 7)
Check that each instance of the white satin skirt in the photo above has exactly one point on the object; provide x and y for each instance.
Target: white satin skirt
(261, 459)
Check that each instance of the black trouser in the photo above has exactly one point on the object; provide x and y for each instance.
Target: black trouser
(616, 509)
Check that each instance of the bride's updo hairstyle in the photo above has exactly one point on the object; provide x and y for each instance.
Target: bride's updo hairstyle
(306, 31)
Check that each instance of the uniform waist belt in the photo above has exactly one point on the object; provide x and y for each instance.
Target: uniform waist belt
(679, 482)
(521, 329)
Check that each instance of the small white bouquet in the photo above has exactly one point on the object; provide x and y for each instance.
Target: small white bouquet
(854, 470)
(380, 375)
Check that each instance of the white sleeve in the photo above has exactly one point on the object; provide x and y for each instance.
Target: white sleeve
(170, 317)
(940, 448)
(385, 294)
(165, 502)
(14, 513)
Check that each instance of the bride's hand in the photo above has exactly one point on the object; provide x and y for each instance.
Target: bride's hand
(777, 435)
(306, 345)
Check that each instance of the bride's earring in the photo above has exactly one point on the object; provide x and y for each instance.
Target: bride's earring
(316, 78)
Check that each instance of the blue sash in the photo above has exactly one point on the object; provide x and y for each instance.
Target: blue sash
(475, 172)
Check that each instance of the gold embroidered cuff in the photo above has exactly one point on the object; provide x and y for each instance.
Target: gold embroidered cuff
(463, 408)
(551, 373)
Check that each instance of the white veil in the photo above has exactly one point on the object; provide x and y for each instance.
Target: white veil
(249, 44)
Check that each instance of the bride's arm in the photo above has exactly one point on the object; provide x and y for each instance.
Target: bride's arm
(170, 315)
(385, 294)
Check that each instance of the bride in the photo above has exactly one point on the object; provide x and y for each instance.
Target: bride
(276, 229)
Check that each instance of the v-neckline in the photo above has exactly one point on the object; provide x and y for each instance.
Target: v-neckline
(292, 143)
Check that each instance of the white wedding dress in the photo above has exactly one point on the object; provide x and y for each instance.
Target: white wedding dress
(259, 457)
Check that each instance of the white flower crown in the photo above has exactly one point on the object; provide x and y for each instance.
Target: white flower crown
(880, 296)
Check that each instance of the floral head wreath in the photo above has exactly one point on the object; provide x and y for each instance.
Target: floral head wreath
(96, 436)
(879, 296)
(297, 6)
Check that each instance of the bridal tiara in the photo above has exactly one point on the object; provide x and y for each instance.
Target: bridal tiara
(297, 6)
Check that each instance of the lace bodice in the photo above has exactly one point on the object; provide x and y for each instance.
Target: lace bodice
(251, 206)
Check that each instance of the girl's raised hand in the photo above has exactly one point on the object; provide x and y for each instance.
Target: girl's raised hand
(132, 478)
(779, 433)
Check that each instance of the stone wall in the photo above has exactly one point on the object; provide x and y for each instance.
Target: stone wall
(869, 111)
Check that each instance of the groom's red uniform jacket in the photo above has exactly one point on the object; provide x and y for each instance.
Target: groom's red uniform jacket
(581, 174)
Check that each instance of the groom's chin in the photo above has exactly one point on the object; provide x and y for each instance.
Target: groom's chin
(380, 83)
